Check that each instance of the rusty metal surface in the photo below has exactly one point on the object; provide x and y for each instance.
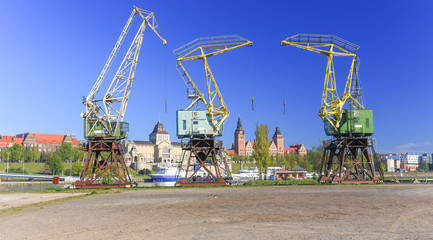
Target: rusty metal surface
(104, 162)
(78, 185)
(348, 160)
(202, 154)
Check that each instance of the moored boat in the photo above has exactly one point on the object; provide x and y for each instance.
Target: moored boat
(168, 174)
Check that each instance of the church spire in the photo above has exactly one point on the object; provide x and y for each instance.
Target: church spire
(239, 128)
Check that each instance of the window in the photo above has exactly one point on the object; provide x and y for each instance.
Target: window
(367, 122)
(165, 150)
(195, 122)
(184, 124)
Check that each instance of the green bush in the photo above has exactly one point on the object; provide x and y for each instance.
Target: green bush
(145, 171)
(315, 177)
(107, 180)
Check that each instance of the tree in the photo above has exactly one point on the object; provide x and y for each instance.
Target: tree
(55, 163)
(279, 160)
(77, 167)
(261, 147)
(79, 154)
(382, 166)
(34, 155)
(235, 158)
(17, 152)
(291, 161)
(315, 155)
(66, 152)
(5, 154)
(424, 166)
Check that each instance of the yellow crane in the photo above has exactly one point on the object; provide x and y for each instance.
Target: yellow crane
(349, 157)
(331, 108)
(216, 109)
(202, 126)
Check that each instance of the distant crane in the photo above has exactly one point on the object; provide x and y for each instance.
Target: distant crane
(104, 126)
(350, 127)
(202, 126)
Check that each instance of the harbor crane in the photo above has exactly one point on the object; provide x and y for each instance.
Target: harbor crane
(348, 157)
(103, 125)
(201, 127)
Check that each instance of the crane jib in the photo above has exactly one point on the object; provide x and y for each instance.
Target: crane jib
(107, 122)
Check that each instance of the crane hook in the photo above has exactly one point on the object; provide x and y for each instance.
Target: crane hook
(284, 104)
(252, 103)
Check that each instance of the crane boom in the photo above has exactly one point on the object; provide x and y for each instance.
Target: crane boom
(106, 123)
(331, 108)
(202, 48)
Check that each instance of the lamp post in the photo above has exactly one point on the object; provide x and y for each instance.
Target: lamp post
(23, 162)
(7, 163)
(70, 166)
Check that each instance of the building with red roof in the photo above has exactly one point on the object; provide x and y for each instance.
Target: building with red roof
(43, 143)
(295, 149)
(241, 147)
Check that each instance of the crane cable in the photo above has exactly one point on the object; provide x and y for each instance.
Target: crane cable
(251, 77)
(284, 83)
(165, 79)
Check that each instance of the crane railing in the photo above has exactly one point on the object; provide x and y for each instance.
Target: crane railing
(322, 39)
(217, 42)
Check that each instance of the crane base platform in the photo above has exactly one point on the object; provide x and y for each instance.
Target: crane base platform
(349, 160)
(104, 166)
(202, 155)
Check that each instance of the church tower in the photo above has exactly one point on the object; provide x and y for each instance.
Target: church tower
(278, 139)
(239, 144)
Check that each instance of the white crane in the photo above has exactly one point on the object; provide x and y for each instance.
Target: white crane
(107, 122)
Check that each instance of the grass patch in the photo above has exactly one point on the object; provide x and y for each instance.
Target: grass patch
(31, 168)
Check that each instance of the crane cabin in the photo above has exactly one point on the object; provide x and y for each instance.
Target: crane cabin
(195, 123)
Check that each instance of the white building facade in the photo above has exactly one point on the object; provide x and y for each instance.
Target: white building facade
(156, 152)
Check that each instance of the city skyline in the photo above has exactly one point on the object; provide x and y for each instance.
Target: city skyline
(52, 61)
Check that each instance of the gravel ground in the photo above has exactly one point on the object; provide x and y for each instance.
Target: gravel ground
(308, 212)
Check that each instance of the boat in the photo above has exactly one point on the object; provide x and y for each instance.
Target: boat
(252, 173)
(169, 175)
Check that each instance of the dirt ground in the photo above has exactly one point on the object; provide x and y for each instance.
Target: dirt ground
(308, 212)
(8, 200)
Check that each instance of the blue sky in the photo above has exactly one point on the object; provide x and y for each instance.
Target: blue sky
(51, 53)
